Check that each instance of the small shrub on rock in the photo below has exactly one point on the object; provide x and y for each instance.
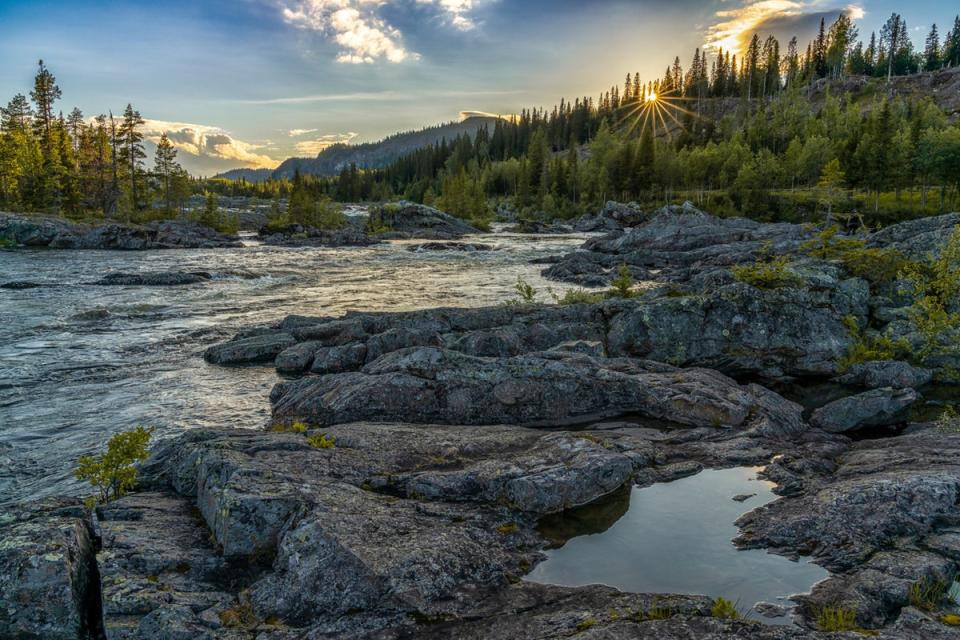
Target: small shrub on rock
(836, 619)
(113, 473)
(869, 349)
(525, 292)
(578, 296)
(872, 264)
(926, 594)
(723, 608)
(321, 441)
(770, 274)
(623, 283)
(293, 427)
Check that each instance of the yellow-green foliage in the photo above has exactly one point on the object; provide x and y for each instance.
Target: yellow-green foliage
(579, 296)
(509, 527)
(865, 349)
(658, 612)
(935, 287)
(769, 274)
(723, 608)
(949, 421)
(321, 441)
(951, 619)
(872, 264)
(525, 292)
(240, 616)
(926, 593)
(583, 625)
(622, 285)
(113, 473)
(836, 619)
(293, 427)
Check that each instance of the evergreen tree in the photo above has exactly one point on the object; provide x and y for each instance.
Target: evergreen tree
(166, 168)
(931, 51)
(891, 40)
(132, 154)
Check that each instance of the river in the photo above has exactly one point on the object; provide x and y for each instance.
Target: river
(80, 362)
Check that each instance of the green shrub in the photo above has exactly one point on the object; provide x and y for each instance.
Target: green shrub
(321, 441)
(935, 288)
(113, 473)
(865, 349)
(623, 283)
(723, 608)
(293, 427)
(578, 296)
(525, 292)
(926, 594)
(836, 619)
(873, 264)
(769, 274)
(508, 528)
(7, 243)
(949, 421)
(583, 625)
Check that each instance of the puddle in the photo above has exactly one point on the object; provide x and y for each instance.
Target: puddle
(674, 537)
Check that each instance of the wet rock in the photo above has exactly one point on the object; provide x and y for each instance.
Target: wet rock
(874, 408)
(152, 279)
(49, 584)
(340, 359)
(431, 385)
(449, 246)
(260, 348)
(297, 358)
(411, 220)
(59, 233)
(886, 373)
(296, 235)
(21, 284)
(743, 497)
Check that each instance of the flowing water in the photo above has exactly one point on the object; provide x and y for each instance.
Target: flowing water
(674, 537)
(80, 362)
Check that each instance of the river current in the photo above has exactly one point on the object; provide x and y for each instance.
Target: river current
(79, 362)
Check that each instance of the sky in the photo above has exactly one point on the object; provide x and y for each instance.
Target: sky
(248, 83)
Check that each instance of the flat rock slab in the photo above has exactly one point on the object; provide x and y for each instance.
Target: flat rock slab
(874, 408)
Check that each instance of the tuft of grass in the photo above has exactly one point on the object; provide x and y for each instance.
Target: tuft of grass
(926, 594)
(725, 609)
(321, 441)
(294, 427)
(508, 528)
(578, 296)
(525, 291)
(769, 274)
(866, 349)
(951, 619)
(836, 619)
(240, 616)
(583, 625)
(949, 420)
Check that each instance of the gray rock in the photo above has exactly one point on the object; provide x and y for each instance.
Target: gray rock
(449, 246)
(412, 220)
(152, 279)
(49, 585)
(297, 358)
(917, 239)
(886, 373)
(261, 348)
(296, 235)
(349, 357)
(874, 408)
(770, 609)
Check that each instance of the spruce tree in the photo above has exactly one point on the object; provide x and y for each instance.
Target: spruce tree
(132, 154)
(931, 51)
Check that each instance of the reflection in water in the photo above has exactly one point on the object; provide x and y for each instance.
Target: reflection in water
(674, 537)
(78, 362)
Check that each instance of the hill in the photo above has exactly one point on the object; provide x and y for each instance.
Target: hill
(376, 155)
(250, 175)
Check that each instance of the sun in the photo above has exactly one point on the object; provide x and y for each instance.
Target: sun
(657, 108)
(651, 97)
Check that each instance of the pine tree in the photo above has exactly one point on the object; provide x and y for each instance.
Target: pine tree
(45, 93)
(166, 168)
(132, 154)
(931, 51)
(890, 40)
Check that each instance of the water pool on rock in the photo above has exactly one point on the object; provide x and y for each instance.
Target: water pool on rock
(675, 537)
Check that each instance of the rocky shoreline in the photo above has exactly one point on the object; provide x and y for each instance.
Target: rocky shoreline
(434, 441)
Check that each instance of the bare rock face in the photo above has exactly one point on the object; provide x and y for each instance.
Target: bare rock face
(874, 408)
(411, 220)
(886, 373)
(49, 584)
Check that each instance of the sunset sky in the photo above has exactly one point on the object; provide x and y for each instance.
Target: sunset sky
(251, 82)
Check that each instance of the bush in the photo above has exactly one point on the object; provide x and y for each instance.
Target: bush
(935, 288)
(865, 349)
(836, 619)
(723, 608)
(113, 473)
(321, 441)
(623, 283)
(770, 274)
(578, 296)
(927, 594)
(525, 291)
(293, 427)
(872, 264)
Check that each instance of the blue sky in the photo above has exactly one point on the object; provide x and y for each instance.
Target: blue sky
(251, 82)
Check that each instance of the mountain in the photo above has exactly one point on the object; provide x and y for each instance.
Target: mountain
(250, 175)
(375, 155)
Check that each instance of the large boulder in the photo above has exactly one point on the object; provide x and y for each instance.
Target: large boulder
(885, 373)
(917, 239)
(874, 408)
(411, 220)
(253, 349)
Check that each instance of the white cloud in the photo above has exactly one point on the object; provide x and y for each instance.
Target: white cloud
(364, 37)
(735, 27)
(296, 133)
(362, 32)
(315, 146)
(204, 141)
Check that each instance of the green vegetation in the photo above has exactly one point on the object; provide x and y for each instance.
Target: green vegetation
(578, 296)
(836, 619)
(583, 625)
(951, 619)
(240, 616)
(508, 528)
(949, 420)
(873, 264)
(723, 608)
(293, 427)
(525, 291)
(927, 594)
(868, 349)
(321, 441)
(113, 473)
(211, 216)
(935, 288)
(622, 285)
(766, 273)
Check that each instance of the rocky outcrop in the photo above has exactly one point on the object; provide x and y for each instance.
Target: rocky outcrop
(49, 583)
(449, 246)
(59, 233)
(874, 408)
(296, 235)
(411, 220)
(885, 373)
(259, 348)
(917, 239)
(154, 279)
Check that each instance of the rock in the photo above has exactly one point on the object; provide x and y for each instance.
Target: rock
(449, 246)
(411, 220)
(296, 235)
(152, 279)
(297, 358)
(743, 497)
(339, 359)
(770, 610)
(59, 233)
(917, 239)
(875, 408)
(885, 373)
(21, 284)
(432, 385)
(260, 348)
(591, 348)
(49, 583)
(625, 215)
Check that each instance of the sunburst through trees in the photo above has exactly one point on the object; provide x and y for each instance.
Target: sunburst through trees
(655, 109)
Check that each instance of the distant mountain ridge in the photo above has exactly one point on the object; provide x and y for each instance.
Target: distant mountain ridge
(376, 155)
(250, 175)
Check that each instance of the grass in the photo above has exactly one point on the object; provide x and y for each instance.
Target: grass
(726, 610)
(872, 264)
(927, 594)
(836, 619)
(508, 528)
(579, 296)
(951, 619)
(240, 616)
(769, 274)
(583, 625)
(869, 349)
(949, 421)
(525, 291)
(321, 441)
(294, 427)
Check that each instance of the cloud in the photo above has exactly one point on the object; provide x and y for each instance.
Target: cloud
(783, 18)
(364, 37)
(296, 133)
(384, 95)
(360, 29)
(204, 141)
(464, 115)
(315, 146)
